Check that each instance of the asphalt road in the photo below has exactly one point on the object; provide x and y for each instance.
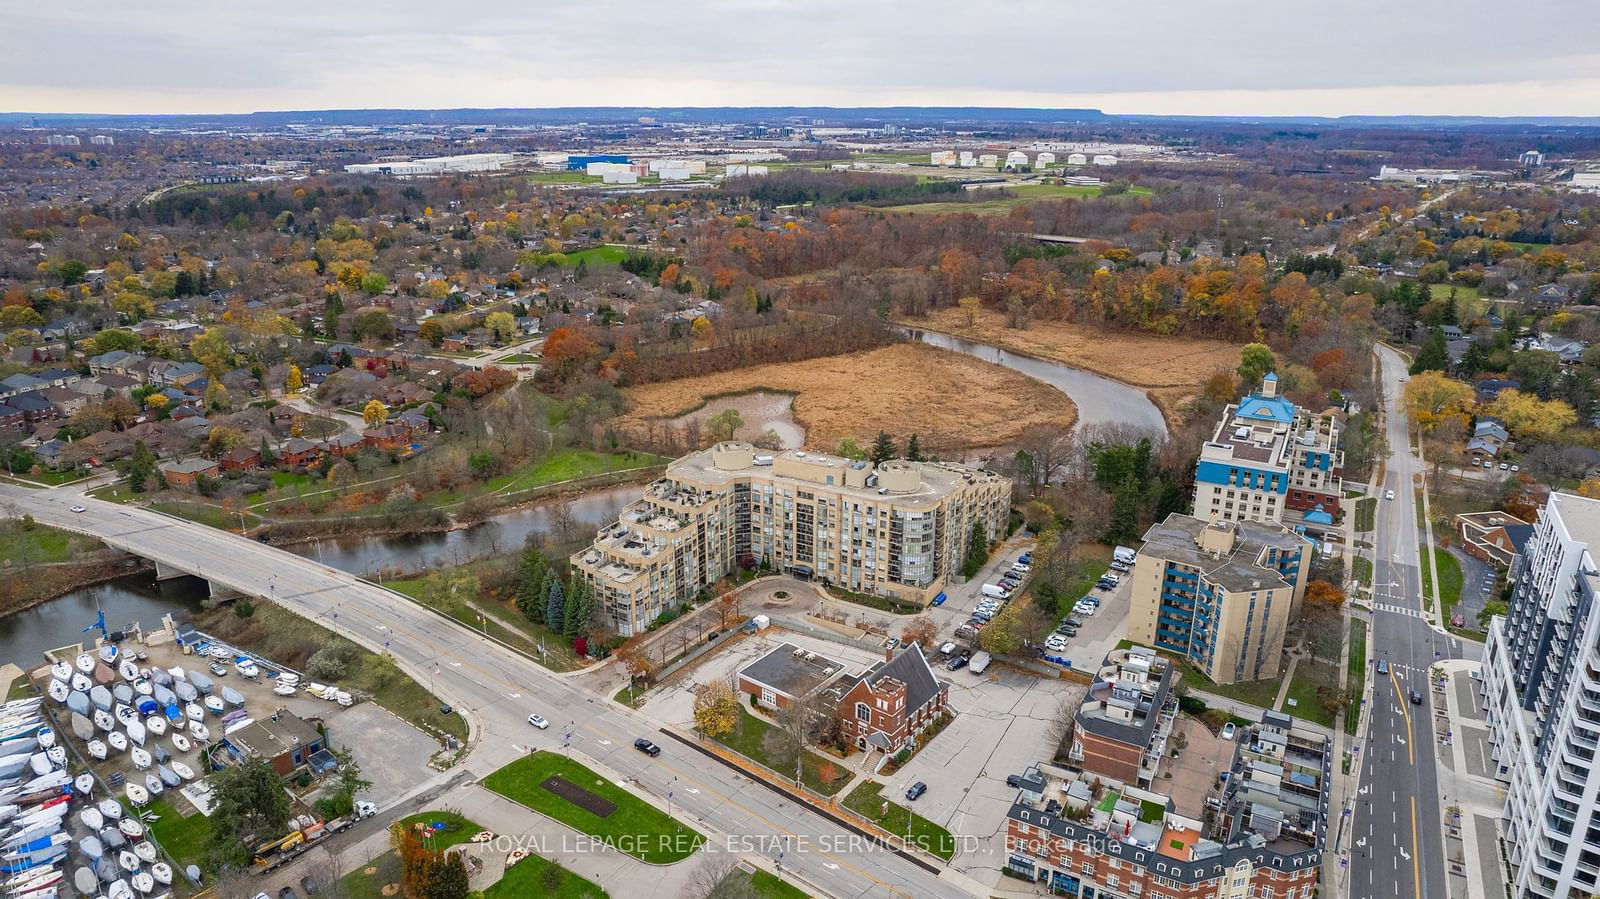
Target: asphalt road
(1396, 845)
(497, 689)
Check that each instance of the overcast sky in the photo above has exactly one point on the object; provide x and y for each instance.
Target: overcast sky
(1226, 57)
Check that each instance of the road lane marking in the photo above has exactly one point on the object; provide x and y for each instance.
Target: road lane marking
(1416, 865)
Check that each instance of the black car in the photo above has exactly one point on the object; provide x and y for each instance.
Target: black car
(1013, 780)
(647, 747)
(917, 789)
(956, 663)
(1416, 698)
(1073, 622)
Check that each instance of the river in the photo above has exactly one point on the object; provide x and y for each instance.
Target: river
(25, 635)
(1099, 399)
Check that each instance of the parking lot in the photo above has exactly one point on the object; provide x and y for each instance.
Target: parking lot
(1004, 725)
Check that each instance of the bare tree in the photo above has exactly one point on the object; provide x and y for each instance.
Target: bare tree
(714, 879)
(562, 522)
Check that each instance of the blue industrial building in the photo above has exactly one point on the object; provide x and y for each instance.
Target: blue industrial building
(581, 163)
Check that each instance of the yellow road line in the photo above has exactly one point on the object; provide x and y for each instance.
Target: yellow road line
(1416, 856)
(1411, 743)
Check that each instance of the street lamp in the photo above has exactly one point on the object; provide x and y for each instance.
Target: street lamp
(669, 794)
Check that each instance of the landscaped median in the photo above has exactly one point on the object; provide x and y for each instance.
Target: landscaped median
(569, 792)
(868, 802)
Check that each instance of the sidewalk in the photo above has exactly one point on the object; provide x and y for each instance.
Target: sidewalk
(1471, 798)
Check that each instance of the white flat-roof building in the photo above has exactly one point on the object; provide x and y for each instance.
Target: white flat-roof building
(1541, 697)
(434, 165)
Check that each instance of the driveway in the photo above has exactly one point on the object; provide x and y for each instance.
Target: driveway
(1477, 585)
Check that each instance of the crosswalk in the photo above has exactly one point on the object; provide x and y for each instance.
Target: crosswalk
(1397, 610)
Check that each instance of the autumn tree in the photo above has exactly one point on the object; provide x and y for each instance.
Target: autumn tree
(723, 425)
(501, 324)
(1003, 635)
(431, 331)
(1431, 397)
(1527, 416)
(920, 630)
(728, 608)
(212, 350)
(1320, 618)
(416, 860)
(293, 379)
(374, 413)
(716, 709)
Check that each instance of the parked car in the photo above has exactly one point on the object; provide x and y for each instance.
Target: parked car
(948, 648)
(1023, 567)
(1074, 622)
(219, 669)
(956, 663)
(647, 747)
(1516, 468)
(1227, 731)
(1026, 558)
(917, 789)
(1090, 600)
(1013, 780)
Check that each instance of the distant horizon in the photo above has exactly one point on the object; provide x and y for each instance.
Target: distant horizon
(920, 114)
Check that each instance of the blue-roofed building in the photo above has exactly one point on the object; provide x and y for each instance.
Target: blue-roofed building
(581, 163)
(1269, 457)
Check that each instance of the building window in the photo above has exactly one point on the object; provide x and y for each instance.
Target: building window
(768, 697)
(863, 713)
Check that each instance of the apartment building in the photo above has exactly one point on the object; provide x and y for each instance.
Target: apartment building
(1219, 594)
(1121, 728)
(1259, 833)
(1541, 696)
(897, 529)
(1268, 457)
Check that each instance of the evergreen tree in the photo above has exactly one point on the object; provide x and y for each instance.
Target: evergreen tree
(141, 467)
(1124, 524)
(1434, 355)
(1452, 312)
(530, 581)
(555, 605)
(580, 605)
(582, 271)
(882, 448)
(977, 550)
(914, 449)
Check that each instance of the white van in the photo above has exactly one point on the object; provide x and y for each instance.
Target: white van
(1124, 555)
(996, 591)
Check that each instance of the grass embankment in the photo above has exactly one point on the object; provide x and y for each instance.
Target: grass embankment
(275, 633)
(1089, 561)
(869, 803)
(1449, 581)
(1356, 664)
(23, 544)
(634, 827)
(1315, 682)
(500, 620)
(758, 883)
(749, 740)
(530, 877)
(520, 359)
(948, 399)
(1171, 369)
(1366, 510)
(1361, 570)
(369, 880)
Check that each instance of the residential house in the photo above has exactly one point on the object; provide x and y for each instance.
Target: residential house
(316, 374)
(298, 452)
(11, 417)
(344, 445)
(182, 474)
(387, 437)
(33, 405)
(890, 704)
(1489, 388)
(284, 416)
(243, 458)
(1550, 296)
(105, 446)
(59, 377)
(1493, 537)
(64, 400)
(19, 383)
(51, 453)
(1488, 438)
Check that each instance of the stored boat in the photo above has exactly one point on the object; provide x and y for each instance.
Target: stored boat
(231, 696)
(128, 670)
(199, 732)
(47, 737)
(101, 697)
(143, 882)
(61, 670)
(214, 705)
(142, 686)
(154, 785)
(85, 662)
(81, 682)
(168, 776)
(58, 690)
(194, 712)
(103, 720)
(159, 753)
(108, 653)
(91, 817)
(139, 796)
(182, 770)
(122, 693)
(78, 701)
(57, 756)
(83, 784)
(117, 740)
(136, 731)
(103, 674)
(111, 809)
(156, 724)
(162, 872)
(97, 749)
(141, 758)
(180, 742)
(132, 828)
(201, 682)
(124, 714)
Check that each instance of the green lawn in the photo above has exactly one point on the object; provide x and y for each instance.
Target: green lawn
(1357, 666)
(527, 878)
(1019, 194)
(520, 359)
(1263, 693)
(1089, 563)
(567, 464)
(1449, 581)
(183, 838)
(22, 544)
(1366, 510)
(629, 696)
(759, 883)
(563, 178)
(1313, 682)
(749, 738)
(1361, 570)
(53, 478)
(457, 829)
(635, 827)
(867, 802)
(593, 256)
(358, 884)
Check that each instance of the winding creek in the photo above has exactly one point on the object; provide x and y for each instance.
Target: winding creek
(25, 635)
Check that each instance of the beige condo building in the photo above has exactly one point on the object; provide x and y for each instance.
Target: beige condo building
(898, 529)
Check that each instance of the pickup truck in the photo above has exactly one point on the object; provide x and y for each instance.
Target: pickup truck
(287, 847)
